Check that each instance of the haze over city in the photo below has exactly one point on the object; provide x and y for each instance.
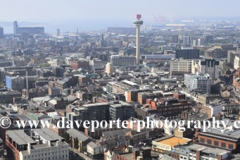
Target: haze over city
(119, 80)
(97, 14)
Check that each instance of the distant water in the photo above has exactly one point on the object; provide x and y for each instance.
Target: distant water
(71, 26)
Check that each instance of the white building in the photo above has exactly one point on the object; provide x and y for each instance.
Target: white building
(215, 109)
(186, 41)
(180, 66)
(199, 81)
(42, 144)
(109, 155)
(96, 64)
(236, 62)
(209, 66)
(94, 149)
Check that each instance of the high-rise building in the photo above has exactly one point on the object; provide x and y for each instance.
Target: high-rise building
(210, 66)
(102, 44)
(199, 81)
(58, 32)
(186, 41)
(174, 38)
(1, 32)
(179, 67)
(201, 41)
(187, 53)
(110, 68)
(138, 23)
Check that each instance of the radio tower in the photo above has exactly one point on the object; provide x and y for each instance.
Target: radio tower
(137, 23)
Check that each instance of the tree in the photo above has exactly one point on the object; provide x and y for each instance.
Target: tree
(76, 143)
(66, 137)
(201, 52)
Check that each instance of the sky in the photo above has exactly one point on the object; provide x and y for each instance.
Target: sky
(52, 12)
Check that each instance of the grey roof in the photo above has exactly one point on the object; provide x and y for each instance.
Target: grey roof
(78, 134)
(47, 134)
(93, 145)
(20, 137)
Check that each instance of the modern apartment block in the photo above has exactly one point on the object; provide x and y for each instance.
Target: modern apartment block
(210, 66)
(40, 144)
(199, 81)
(180, 67)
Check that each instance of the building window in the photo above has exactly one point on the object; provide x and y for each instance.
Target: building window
(216, 143)
(202, 140)
(209, 141)
(230, 146)
(223, 145)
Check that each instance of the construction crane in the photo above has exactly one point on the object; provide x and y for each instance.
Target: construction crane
(178, 37)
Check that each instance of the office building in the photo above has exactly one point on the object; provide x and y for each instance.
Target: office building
(96, 63)
(121, 110)
(227, 140)
(198, 81)
(201, 41)
(58, 71)
(118, 60)
(83, 64)
(236, 62)
(110, 68)
(19, 82)
(174, 38)
(187, 53)
(179, 67)
(1, 32)
(200, 152)
(30, 30)
(186, 40)
(230, 57)
(40, 144)
(210, 66)
(58, 32)
(138, 23)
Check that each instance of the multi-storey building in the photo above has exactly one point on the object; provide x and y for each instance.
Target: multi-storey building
(186, 40)
(180, 66)
(40, 144)
(80, 64)
(210, 66)
(198, 81)
(199, 152)
(187, 53)
(118, 60)
(96, 64)
(121, 110)
(169, 107)
(225, 139)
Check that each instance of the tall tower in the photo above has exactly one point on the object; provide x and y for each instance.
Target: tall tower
(15, 27)
(138, 23)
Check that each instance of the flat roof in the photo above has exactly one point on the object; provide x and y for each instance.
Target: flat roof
(47, 134)
(20, 137)
(173, 141)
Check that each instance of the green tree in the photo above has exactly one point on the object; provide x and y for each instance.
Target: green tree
(201, 52)
(76, 143)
